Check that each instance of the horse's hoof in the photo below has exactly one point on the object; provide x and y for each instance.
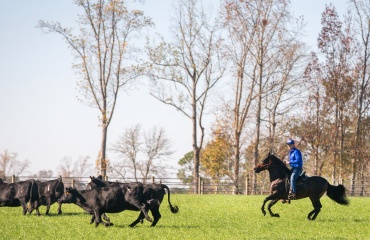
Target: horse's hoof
(276, 215)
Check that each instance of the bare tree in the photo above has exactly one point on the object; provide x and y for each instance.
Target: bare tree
(128, 147)
(78, 168)
(187, 68)
(362, 18)
(44, 174)
(66, 168)
(104, 54)
(265, 53)
(82, 166)
(142, 154)
(156, 148)
(9, 165)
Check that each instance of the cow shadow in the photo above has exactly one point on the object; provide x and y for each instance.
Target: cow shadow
(160, 227)
(63, 214)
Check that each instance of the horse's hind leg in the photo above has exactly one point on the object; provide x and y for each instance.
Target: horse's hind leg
(317, 208)
(272, 203)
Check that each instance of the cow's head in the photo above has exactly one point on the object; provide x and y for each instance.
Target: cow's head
(71, 195)
(59, 188)
(95, 183)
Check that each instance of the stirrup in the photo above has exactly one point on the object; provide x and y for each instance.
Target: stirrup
(292, 196)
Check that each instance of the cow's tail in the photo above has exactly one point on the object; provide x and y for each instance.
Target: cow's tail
(34, 193)
(337, 193)
(173, 208)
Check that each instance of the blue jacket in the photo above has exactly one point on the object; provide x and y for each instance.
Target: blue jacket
(295, 158)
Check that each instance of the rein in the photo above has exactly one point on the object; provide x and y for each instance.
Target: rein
(268, 165)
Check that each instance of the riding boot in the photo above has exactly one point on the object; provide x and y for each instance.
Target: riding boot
(292, 196)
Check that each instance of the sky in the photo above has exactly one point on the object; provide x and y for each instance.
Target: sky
(40, 117)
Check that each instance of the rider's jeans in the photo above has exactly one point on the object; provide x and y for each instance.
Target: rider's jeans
(295, 174)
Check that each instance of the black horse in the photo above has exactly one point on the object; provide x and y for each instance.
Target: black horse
(313, 187)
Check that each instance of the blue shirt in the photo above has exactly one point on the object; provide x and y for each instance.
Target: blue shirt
(295, 158)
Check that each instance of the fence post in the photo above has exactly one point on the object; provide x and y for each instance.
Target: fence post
(199, 185)
(73, 183)
(247, 185)
(153, 180)
(202, 187)
(13, 178)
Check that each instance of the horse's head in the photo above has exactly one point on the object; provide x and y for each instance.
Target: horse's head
(265, 164)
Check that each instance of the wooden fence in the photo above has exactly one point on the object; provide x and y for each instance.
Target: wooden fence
(206, 186)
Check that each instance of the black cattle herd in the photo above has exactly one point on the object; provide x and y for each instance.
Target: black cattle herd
(99, 198)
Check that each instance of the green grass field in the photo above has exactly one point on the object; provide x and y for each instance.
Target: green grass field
(200, 217)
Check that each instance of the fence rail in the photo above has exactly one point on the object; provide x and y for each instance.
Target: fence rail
(206, 186)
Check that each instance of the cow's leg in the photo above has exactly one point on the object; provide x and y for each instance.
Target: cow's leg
(59, 208)
(97, 217)
(92, 218)
(156, 215)
(47, 207)
(37, 211)
(145, 208)
(139, 219)
(24, 207)
(106, 218)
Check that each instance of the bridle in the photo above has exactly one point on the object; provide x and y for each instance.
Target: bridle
(266, 165)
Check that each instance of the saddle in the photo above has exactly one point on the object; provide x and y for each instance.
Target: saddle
(300, 180)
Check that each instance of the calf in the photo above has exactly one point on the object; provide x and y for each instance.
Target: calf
(113, 199)
(49, 193)
(153, 195)
(19, 194)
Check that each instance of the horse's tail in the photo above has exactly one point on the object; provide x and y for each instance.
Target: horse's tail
(174, 209)
(338, 194)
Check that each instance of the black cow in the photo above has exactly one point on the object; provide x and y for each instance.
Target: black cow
(49, 193)
(153, 195)
(113, 199)
(19, 194)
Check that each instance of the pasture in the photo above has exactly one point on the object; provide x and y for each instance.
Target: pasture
(200, 217)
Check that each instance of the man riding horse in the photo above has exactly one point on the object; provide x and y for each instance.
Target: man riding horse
(296, 163)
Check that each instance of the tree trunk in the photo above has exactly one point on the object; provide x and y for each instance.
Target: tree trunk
(236, 164)
(103, 147)
(196, 150)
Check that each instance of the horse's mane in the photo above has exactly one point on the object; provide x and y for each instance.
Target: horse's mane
(279, 162)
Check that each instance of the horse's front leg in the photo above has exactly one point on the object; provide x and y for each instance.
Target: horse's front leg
(264, 203)
(272, 203)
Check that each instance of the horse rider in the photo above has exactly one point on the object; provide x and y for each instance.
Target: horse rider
(296, 163)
